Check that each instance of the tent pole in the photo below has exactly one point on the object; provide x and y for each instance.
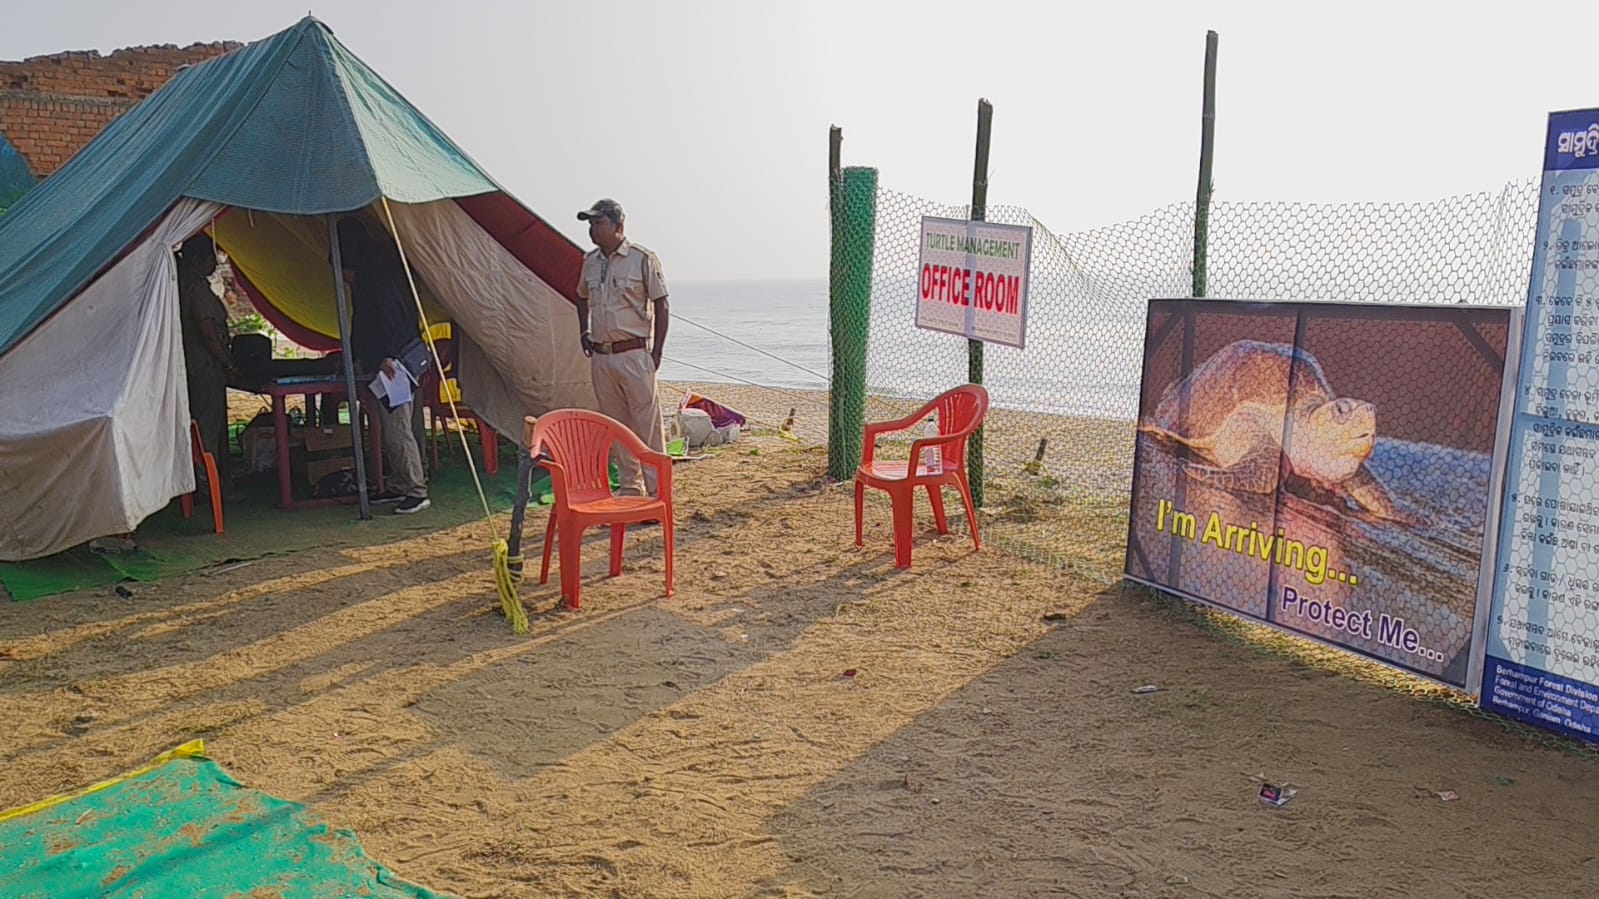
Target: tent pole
(349, 371)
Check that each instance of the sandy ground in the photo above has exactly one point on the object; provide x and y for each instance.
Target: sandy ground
(801, 719)
(1069, 509)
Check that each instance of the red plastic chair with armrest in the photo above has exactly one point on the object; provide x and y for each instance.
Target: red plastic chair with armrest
(577, 444)
(960, 413)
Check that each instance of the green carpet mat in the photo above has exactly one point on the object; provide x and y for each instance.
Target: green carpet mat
(182, 827)
(254, 527)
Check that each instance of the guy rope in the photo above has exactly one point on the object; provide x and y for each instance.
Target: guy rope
(504, 580)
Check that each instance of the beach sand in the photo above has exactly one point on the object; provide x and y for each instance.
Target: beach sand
(1070, 509)
(801, 719)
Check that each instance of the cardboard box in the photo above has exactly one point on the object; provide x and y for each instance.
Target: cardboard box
(260, 447)
(332, 437)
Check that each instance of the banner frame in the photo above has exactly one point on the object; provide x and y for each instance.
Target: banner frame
(1497, 483)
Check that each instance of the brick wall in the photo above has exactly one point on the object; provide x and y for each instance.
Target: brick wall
(50, 106)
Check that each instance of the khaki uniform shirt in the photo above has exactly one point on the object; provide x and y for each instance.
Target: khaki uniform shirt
(620, 290)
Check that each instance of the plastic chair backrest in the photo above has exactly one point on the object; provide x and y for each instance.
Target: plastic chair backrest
(438, 385)
(960, 411)
(446, 350)
(579, 442)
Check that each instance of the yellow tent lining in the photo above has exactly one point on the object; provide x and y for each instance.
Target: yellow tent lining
(286, 257)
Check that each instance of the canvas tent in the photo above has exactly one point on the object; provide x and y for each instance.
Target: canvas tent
(263, 145)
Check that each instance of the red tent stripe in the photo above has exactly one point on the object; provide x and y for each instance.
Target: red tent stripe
(546, 252)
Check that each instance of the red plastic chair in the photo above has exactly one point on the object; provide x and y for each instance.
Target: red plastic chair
(578, 445)
(960, 412)
(201, 457)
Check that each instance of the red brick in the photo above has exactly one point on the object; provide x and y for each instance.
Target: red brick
(54, 122)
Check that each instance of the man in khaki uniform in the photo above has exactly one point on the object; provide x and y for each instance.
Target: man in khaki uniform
(622, 317)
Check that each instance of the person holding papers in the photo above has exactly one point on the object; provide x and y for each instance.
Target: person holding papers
(383, 329)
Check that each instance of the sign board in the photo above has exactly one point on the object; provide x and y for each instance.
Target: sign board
(1542, 647)
(1328, 469)
(972, 279)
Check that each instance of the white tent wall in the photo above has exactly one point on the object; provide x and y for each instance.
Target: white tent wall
(518, 349)
(94, 406)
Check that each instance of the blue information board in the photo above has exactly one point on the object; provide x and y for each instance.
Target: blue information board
(1542, 642)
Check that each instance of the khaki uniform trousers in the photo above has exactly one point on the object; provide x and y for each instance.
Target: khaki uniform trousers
(401, 452)
(624, 384)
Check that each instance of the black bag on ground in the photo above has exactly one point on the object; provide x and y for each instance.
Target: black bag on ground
(336, 484)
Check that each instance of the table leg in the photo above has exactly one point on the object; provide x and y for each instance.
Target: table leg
(280, 433)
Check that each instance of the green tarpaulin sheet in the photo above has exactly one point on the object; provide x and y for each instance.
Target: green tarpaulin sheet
(171, 545)
(182, 827)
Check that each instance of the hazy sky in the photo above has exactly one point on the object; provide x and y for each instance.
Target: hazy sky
(708, 120)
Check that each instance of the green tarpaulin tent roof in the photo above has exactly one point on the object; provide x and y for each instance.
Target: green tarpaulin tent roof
(265, 143)
(293, 123)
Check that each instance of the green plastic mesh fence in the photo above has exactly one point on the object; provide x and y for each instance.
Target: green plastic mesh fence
(853, 202)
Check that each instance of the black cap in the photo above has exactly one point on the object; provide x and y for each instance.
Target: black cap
(608, 209)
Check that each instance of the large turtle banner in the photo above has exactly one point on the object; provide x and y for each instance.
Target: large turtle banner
(1326, 468)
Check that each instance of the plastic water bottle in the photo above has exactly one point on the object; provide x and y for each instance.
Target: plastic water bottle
(935, 458)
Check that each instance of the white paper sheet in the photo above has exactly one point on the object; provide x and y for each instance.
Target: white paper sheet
(397, 389)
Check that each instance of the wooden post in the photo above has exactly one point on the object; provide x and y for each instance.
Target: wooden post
(1207, 152)
(974, 348)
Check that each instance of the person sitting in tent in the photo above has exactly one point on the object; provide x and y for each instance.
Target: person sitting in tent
(207, 361)
(383, 322)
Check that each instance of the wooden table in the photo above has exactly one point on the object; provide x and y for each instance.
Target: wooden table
(280, 390)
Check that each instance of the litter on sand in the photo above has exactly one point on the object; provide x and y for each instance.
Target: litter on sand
(1277, 796)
